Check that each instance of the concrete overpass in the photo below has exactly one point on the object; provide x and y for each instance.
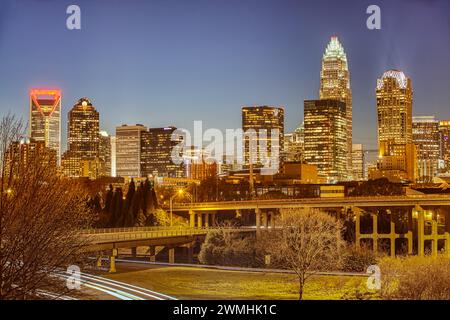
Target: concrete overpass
(203, 214)
(108, 241)
(423, 211)
(382, 201)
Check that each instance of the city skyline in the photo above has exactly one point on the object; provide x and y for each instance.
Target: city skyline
(285, 73)
(239, 153)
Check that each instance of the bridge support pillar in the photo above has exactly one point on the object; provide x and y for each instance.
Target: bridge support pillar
(447, 230)
(112, 261)
(434, 235)
(152, 251)
(199, 220)
(272, 220)
(171, 255)
(447, 244)
(99, 261)
(190, 252)
(207, 219)
(213, 219)
(420, 231)
(192, 218)
(409, 235)
(134, 252)
(392, 237)
(375, 232)
(265, 220)
(258, 220)
(357, 213)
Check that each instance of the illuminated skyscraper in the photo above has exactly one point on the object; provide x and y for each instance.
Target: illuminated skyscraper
(444, 128)
(128, 150)
(113, 156)
(105, 152)
(397, 153)
(335, 85)
(156, 153)
(326, 138)
(45, 118)
(294, 144)
(358, 159)
(83, 130)
(83, 139)
(263, 128)
(427, 138)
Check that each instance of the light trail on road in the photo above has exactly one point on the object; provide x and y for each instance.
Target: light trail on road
(117, 289)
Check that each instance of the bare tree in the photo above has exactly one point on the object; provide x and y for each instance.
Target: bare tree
(41, 216)
(224, 247)
(307, 241)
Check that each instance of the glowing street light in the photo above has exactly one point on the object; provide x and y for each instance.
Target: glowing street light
(180, 192)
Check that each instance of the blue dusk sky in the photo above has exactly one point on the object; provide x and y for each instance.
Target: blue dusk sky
(170, 62)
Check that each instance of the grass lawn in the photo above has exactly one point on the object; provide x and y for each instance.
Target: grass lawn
(198, 283)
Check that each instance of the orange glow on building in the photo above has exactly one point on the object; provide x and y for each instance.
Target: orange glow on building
(45, 117)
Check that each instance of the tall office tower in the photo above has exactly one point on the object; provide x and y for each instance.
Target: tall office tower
(45, 118)
(113, 157)
(427, 138)
(104, 153)
(128, 150)
(83, 129)
(359, 165)
(444, 129)
(83, 140)
(263, 128)
(294, 144)
(156, 153)
(397, 153)
(326, 138)
(335, 84)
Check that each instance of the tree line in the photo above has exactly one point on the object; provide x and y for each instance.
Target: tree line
(117, 209)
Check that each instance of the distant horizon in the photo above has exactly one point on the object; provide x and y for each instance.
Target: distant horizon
(170, 63)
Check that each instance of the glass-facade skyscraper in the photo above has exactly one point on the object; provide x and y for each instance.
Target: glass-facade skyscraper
(427, 138)
(45, 118)
(335, 85)
(326, 138)
(156, 153)
(266, 143)
(83, 141)
(128, 150)
(444, 129)
(397, 152)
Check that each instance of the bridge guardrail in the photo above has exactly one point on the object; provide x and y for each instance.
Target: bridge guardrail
(309, 200)
(128, 234)
(131, 229)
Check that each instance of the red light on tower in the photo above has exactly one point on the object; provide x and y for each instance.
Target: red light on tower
(53, 95)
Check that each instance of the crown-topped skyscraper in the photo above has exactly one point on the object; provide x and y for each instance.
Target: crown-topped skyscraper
(335, 85)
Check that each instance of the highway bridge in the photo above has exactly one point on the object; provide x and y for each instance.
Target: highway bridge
(108, 241)
(381, 201)
(204, 214)
(202, 217)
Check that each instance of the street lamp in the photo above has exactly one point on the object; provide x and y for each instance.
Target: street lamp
(178, 193)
